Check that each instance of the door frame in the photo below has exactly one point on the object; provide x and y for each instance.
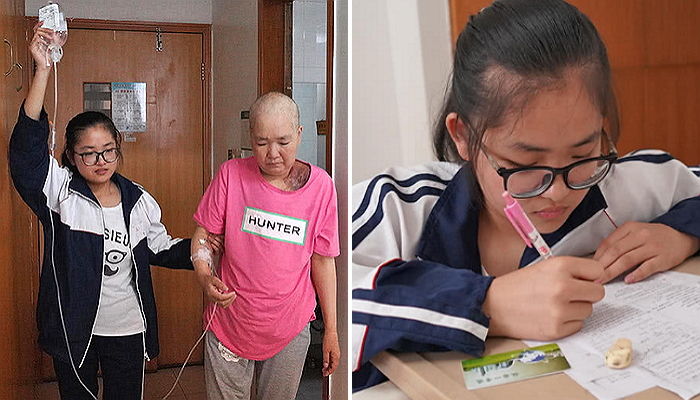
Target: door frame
(275, 46)
(275, 57)
(330, 37)
(167, 27)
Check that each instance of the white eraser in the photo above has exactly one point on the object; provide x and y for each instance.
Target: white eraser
(619, 355)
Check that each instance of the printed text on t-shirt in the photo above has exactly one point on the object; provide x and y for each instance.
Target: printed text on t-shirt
(274, 226)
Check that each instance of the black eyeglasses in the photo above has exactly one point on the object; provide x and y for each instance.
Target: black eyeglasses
(526, 182)
(91, 158)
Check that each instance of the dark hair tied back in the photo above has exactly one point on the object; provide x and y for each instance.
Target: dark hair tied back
(509, 51)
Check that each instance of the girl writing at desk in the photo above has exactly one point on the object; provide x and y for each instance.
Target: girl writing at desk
(530, 110)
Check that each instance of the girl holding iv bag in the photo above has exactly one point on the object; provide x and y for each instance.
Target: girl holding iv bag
(96, 306)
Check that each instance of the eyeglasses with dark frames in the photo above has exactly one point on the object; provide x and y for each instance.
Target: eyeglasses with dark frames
(91, 158)
(526, 182)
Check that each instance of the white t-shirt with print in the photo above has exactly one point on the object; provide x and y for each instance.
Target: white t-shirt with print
(119, 313)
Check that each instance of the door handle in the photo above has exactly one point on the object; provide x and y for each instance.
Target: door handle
(21, 76)
(12, 57)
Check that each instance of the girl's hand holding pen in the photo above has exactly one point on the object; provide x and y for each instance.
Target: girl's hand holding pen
(647, 248)
(545, 301)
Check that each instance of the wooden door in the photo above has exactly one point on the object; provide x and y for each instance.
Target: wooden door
(18, 250)
(25, 230)
(7, 346)
(655, 58)
(171, 158)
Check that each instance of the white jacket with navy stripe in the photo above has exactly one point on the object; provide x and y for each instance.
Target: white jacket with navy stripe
(73, 229)
(417, 276)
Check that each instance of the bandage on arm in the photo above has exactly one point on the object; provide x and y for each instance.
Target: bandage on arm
(200, 250)
(204, 254)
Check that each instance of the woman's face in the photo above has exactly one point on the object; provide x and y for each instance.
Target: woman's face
(275, 141)
(94, 140)
(556, 127)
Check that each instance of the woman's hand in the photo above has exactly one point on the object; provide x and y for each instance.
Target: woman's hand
(331, 352)
(39, 46)
(545, 301)
(215, 290)
(647, 248)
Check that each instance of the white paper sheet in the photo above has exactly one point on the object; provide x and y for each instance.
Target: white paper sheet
(661, 316)
(129, 106)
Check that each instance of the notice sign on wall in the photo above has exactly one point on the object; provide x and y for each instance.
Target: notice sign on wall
(129, 106)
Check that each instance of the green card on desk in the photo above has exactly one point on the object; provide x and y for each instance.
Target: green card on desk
(514, 366)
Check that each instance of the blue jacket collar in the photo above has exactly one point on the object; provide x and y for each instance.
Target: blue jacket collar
(130, 193)
(450, 233)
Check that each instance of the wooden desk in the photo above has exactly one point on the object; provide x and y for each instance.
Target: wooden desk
(438, 376)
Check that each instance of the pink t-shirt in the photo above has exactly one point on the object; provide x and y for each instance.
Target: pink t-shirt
(270, 235)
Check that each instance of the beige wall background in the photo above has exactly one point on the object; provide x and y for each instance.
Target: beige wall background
(401, 62)
(194, 11)
(235, 72)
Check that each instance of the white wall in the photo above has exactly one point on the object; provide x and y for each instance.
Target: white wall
(235, 71)
(338, 383)
(192, 11)
(309, 74)
(401, 58)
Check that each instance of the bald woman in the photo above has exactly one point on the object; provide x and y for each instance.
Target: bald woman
(279, 219)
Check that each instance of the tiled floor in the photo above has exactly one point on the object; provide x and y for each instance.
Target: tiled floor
(190, 386)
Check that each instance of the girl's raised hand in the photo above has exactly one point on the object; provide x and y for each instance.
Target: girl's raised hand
(647, 248)
(39, 46)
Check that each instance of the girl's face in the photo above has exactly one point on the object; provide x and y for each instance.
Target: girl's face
(95, 167)
(556, 127)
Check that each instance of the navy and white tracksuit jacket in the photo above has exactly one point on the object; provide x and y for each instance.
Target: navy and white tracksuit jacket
(417, 275)
(73, 227)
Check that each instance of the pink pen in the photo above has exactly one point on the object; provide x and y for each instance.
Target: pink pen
(522, 224)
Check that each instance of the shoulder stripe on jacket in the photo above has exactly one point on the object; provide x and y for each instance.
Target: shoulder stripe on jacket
(365, 229)
(403, 183)
(421, 315)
